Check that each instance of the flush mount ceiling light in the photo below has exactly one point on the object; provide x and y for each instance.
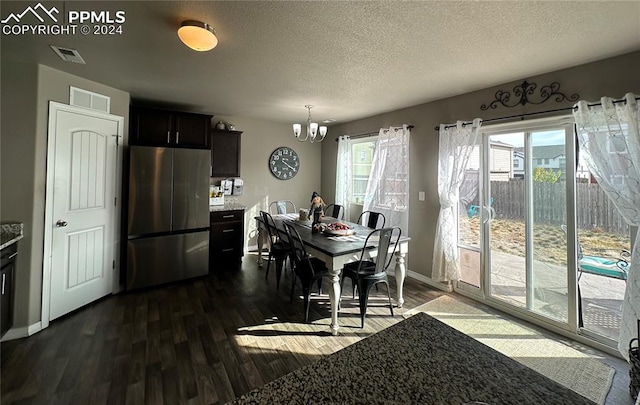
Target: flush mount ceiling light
(197, 35)
(312, 129)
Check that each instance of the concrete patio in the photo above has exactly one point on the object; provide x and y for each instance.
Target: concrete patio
(601, 296)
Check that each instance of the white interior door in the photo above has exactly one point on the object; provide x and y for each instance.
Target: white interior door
(82, 206)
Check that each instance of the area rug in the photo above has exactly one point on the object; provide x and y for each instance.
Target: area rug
(419, 360)
(563, 364)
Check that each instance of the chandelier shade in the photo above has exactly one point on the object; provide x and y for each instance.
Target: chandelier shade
(197, 35)
(315, 132)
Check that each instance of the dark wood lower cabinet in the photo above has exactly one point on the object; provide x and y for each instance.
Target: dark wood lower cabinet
(8, 270)
(226, 240)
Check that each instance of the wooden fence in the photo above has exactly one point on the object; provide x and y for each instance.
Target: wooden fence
(593, 207)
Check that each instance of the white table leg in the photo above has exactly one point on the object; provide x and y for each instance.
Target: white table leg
(401, 272)
(334, 297)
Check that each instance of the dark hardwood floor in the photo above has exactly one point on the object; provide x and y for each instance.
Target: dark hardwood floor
(205, 340)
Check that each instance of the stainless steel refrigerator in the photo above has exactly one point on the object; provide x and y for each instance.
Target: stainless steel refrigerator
(168, 215)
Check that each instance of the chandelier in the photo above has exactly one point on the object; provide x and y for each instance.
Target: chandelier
(314, 133)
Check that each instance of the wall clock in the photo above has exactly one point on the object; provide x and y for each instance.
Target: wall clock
(284, 163)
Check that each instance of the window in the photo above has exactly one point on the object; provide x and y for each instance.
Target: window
(546, 161)
(618, 179)
(516, 163)
(362, 157)
(617, 144)
(390, 191)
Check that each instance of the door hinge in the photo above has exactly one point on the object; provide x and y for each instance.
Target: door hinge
(115, 201)
(117, 139)
(113, 264)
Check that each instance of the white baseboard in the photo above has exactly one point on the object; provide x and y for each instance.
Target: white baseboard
(22, 332)
(430, 282)
(35, 328)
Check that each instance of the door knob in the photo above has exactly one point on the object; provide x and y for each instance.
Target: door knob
(61, 223)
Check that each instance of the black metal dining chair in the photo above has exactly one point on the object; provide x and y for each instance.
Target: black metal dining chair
(366, 272)
(278, 248)
(282, 207)
(334, 210)
(372, 219)
(308, 269)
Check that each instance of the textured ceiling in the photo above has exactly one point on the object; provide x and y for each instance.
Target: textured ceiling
(350, 59)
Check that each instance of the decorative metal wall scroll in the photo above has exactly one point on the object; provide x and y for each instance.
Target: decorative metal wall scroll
(525, 90)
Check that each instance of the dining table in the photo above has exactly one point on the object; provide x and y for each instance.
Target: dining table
(337, 250)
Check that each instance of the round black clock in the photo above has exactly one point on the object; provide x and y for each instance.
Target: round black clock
(284, 163)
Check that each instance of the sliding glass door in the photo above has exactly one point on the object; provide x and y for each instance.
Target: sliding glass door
(513, 221)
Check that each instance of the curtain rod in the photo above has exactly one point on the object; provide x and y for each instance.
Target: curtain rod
(522, 116)
(367, 134)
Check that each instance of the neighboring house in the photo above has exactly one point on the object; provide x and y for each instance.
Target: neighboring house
(518, 163)
(582, 172)
(550, 157)
(501, 157)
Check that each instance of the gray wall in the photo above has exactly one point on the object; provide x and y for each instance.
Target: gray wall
(24, 152)
(259, 139)
(26, 90)
(610, 77)
(19, 92)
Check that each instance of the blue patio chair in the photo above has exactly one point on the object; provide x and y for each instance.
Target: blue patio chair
(601, 266)
(604, 267)
(474, 210)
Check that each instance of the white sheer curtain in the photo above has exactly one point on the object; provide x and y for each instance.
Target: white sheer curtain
(610, 144)
(344, 175)
(456, 144)
(388, 186)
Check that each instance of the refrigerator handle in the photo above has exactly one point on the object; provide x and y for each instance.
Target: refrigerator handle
(168, 136)
(177, 136)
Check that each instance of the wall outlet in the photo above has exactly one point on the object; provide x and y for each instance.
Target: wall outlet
(421, 195)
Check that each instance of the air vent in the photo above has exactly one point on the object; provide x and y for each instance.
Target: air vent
(87, 99)
(68, 55)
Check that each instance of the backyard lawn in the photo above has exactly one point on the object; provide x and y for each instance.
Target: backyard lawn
(550, 245)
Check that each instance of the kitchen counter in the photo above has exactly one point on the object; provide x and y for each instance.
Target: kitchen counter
(227, 207)
(10, 233)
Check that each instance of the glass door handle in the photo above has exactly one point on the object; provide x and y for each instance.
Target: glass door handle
(491, 214)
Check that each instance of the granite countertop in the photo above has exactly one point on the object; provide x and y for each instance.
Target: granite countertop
(227, 207)
(10, 233)
(417, 361)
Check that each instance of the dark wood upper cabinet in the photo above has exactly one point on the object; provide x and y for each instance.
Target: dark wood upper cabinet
(192, 129)
(155, 127)
(225, 153)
